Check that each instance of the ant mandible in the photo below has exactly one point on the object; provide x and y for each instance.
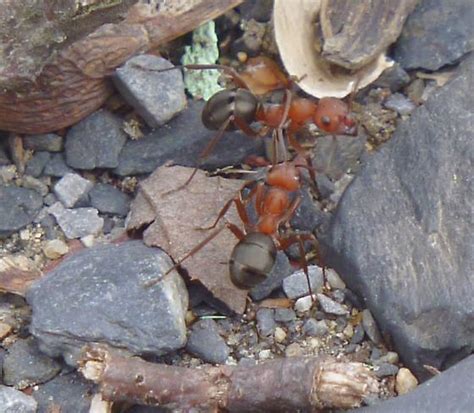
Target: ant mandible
(239, 107)
(275, 202)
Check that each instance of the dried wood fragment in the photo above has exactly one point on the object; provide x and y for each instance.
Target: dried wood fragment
(291, 384)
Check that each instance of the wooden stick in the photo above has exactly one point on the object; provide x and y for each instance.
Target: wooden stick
(289, 384)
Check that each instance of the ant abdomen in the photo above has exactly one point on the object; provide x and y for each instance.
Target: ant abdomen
(252, 260)
(240, 103)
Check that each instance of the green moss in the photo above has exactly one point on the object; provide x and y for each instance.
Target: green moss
(204, 50)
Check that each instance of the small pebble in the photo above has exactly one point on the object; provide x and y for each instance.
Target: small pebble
(264, 354)
(46, 142)
(14, 401)
(391, 357)
(348, 331)
(386, 369)
(400, 104)
(315, 328)
(88, 241)
(5, 330)
(284, 315)
(359, 334)
(330, 306)
(37, 163)
(280, 335)
(55, 248)
(293, 350)
(296, 285)
(72, 188)
(304, 304)
(265, 322)
(206, 343)
(405, 381)
(334, 280)
(370, 327)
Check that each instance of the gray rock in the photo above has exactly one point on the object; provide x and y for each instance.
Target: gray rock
(437, 33)
(206, 343)
(281, 269)
(296, 285)
(181, 141)
(24, 365)
(99, 295)
(37, 185)
(385, 370)
(77, 223)
(57, 166)
(335, 155)
(394, 78)
(95, 142)
(14, 401)
(370, 327)
(36, 164)
(266, 322)
(315, 328)
(359, 334)
(49, 142)
(72, 188)
(109, 200)
(402, 234)
(450, 391)
(156, 96)
(334, 280)
(400, 104)
(308, 217)
(284, 315)
(70, 392)
(18, 208)
(330, 306)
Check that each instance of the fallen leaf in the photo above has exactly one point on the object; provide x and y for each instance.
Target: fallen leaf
(276, 303)
(175, 218)
(17, 273)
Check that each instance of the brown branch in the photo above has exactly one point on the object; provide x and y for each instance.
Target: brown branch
(289, 384)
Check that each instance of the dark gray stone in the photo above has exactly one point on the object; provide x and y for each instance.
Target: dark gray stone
(18, 208)
(314, 328)
(335, 155)
(206, 343)
(181, 141)
(109, 200)
(308, 217)
(45, 142)
(4, 159)
(57, 166)
(394, 78)
(281, 269)
(284, 315)
(72, 188)
(451, 391)
(266, 322)
(98, 295)
(95, 142)
(14, 401)
(402, 234)
(359, 334)
(36, 164)
(70, 392)
(258, 10)
(400, 104)
(78, 222)
(385, 370)
(24, 365)
(156, 96)
(437, 33)
(37, 185)
(296, 285)
(370, 327)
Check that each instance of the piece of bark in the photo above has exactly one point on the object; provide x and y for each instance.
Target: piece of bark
(62, 82)
(282, 385)
(174, 220)
(354, 33)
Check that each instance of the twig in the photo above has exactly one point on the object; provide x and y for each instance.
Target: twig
(282, 385)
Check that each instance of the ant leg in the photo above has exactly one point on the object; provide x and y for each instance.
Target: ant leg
(208, 149)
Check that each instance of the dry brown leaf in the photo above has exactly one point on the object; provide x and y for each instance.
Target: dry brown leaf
(276, 303)
(17, 273)
(174, 220)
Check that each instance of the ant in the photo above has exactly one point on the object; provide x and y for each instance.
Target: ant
(239, 107)
(253, 257)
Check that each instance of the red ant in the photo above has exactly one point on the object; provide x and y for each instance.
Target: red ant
(239, 107)
(253, 257)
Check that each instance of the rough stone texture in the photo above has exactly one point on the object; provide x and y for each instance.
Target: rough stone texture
(402, 234)
(70, 392)
(18, 208)
(57, 166)
(25, 365)
(180, 141)
(14, 401)
(156, 96)
(330, 306)
(46, 142)
(206, 343)
(109, 200)
(296, 285)
(78, 222)
(98, 295)
(95, 142)
(36, 164)
(437, 33)
(72, 188)
(400, 104)
(451, 391)
(266, 322)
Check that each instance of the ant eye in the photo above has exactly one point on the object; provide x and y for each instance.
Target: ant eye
(326, 120)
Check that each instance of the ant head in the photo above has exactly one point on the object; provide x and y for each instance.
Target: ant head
(333, 116)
